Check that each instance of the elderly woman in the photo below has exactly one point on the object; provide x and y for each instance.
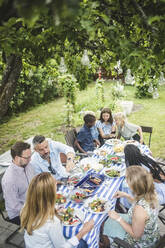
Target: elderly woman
(139, 227)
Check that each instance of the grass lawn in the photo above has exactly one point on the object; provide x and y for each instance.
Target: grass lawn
(49, 119)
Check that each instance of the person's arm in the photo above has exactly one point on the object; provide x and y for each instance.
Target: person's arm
(136, 228)
(104, 136)
(97, 142)
(58, 240)
(70, 161)
(140, 134)
(79, 147)
(119, 194)
(12, 201)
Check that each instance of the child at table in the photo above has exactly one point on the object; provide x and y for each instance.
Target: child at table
(127, 130)
(85, 142)
(42, 224)
(106, 125)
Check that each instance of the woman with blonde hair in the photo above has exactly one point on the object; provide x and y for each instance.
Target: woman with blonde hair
(126, 129)
(43, 228)
(139, 227)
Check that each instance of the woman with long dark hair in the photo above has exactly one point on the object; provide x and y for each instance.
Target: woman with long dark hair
(133, 156)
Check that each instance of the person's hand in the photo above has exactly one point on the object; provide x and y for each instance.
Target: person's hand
(113, 215)
(119, 194)
(88, 226)
(70, 166)
(112, 135)
(141, 140)
(97, 142)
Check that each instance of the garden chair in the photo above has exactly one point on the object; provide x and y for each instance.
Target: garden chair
(3, 213)
(146, 129)
(70, 138)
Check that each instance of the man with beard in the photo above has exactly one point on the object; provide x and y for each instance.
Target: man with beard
(46, 157)
(16, 180)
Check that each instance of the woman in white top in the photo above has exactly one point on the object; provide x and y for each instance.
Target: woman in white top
(43, 228)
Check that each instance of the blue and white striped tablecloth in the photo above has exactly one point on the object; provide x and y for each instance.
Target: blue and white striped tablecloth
(106, 191)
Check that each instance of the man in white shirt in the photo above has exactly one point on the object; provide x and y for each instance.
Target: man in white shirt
(46, 157)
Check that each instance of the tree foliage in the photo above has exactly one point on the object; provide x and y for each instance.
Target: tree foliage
(37, 31)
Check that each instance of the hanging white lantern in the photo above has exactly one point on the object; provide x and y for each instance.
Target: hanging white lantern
(129, 79)
(150, 89)
(85, 59)
(62, 67)
(161, 79)
(118, 68)
(155, 94)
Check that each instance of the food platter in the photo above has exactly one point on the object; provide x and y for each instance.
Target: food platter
(114, 159)
(90, 182)
(113, 142)
(78, 195)
(114, 172)
(102, 152)
(60, 198)
(90, 163)
(71, 216)
(119, 149)
(97, 205)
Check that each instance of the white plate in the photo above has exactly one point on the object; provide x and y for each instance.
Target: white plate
(91, 163)
(90, 200)
(113, 142)
(80, 217)
(132, 142)
(5, 164)
(122, 171)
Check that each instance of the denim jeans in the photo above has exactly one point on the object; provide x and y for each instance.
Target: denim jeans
(82, 244)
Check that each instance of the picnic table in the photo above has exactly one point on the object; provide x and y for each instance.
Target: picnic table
(105, 191)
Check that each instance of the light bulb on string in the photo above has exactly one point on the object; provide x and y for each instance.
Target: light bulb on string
(155, 94)
(62, 67)
(85, 59)
(150, 89)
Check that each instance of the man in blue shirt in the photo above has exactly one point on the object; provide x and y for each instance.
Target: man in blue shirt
(46, 157)
(85, 141)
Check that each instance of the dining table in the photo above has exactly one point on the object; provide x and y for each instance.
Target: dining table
(105, 190)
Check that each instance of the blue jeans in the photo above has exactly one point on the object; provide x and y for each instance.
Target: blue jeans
(82, 244)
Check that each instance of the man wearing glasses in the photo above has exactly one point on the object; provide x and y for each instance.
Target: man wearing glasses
(46, 157)
(16, 180)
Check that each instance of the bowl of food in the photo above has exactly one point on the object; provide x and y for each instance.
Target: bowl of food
(78, 195)
(119, 149)
(70, 216)
(97, 205)
(114, 172)
(114, 159)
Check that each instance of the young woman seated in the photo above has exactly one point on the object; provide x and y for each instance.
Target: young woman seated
(106, 125)
(140, 226)
(42, 224)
